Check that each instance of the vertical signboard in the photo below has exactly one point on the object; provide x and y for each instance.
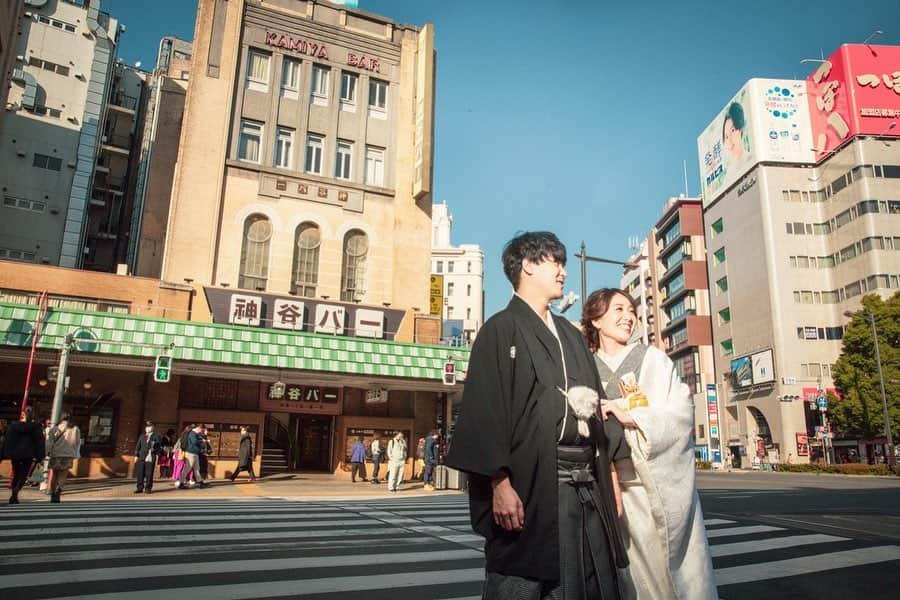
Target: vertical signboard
(424, 112)
(436, 295)
(712, 411)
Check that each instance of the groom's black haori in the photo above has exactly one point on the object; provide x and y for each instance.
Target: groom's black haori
(514, 423)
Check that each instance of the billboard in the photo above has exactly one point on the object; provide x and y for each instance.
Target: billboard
(741, 371)
(753, 369)
(766, 121)
(763, 367)
(856, 91)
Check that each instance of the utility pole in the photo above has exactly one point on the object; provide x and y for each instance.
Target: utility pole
(584, 258)
(887, 418)
(56, 412)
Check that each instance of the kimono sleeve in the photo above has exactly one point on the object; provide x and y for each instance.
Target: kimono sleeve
(668, 419)
(481, 438)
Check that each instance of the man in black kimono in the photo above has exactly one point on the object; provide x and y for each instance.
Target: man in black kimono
(541, 489)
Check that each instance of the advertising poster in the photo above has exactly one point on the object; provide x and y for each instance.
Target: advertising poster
(763, 367)
(725, 147)
(743, 373)
(766, 121)
(856, 91)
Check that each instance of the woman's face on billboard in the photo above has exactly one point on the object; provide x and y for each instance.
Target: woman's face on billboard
(731, 138)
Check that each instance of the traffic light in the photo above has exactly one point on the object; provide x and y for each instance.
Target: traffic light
(449, 373)
(162, 371)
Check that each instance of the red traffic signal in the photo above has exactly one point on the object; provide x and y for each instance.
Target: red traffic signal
(449, 373)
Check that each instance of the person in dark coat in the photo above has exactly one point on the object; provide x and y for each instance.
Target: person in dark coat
(205, 451)
(23, 445)
(245, 455)
(431, 459)
(147, 451)
(542, 490)
(358, 460)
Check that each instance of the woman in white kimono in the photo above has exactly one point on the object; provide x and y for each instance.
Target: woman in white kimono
(663, 523)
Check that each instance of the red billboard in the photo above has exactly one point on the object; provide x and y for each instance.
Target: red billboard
(856, 91)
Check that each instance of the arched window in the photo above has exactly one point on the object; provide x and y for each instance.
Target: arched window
(306, 260)
(353, 270)
(255, 253)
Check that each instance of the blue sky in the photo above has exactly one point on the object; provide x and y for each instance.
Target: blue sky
(576, 116)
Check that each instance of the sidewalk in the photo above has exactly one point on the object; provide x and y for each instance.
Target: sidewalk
(293, 486)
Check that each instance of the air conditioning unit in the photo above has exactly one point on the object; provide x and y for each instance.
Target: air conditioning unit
(20, 153)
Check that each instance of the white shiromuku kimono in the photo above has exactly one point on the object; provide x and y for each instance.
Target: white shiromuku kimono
(663, 523)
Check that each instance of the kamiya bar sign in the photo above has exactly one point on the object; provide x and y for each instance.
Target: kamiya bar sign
(317, 50)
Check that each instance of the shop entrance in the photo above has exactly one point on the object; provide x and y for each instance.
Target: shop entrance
(314, 442)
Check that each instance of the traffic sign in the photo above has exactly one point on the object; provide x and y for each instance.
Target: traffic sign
(822, 401)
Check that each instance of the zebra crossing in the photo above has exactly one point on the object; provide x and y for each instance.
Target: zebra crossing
(396, 548)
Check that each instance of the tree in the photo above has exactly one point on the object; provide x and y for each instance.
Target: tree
(859, 411)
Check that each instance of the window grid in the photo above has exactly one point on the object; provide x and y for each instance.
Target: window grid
(343, 160)
(315, 145)
(306, 260)
(254, 270)
(284, 143)
(353, 272)
(349, 82)
(374, 166)
(250, 141)
(290, 78)
(258, 70)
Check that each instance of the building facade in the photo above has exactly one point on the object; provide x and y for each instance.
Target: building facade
(51, 133)
(312, 175)
(158, 156)
(10, 15)
(793, 242)
(461, 269)
(667, 279)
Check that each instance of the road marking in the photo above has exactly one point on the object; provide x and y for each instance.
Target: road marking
(819, 525)
(772, 544)
(236, 566)
(710, 522)
(806, 564)
(265, 589)
(729, 531)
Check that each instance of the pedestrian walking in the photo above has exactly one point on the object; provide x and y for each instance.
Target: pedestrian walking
(194, 447)
(148, 449)
(541, 486)
(419, 465)
(358, 460)
(166, 459)
(378, 450)
(205, 451)
(432, 446)
(23, 446)
(178, 462)
(245, 455)
(396, 452)
(63, 447)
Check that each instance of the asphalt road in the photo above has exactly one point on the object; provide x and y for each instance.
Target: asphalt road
(773, 536)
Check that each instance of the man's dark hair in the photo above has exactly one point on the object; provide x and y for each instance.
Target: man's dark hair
(534, 246)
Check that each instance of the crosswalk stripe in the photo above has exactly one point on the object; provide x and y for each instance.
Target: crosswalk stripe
(273, 589)
(713, 522)
(38, 542)
(182, 518)
(744, 530)
(236, 566)
(49, 528)
(806, 564)
(772, 544)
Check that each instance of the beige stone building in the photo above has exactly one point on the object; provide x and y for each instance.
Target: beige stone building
(304, 164)
(797, 247)
(158, 155)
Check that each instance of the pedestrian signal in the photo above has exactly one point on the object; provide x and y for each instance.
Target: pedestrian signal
(449, 374)
(162, 371)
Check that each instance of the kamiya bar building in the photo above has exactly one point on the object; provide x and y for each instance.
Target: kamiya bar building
(296, 261)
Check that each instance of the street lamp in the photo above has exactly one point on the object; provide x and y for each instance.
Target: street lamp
(584, 258)
(870, 319)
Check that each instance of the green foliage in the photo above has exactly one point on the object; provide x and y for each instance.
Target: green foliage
(859, 411)
(845, 469)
